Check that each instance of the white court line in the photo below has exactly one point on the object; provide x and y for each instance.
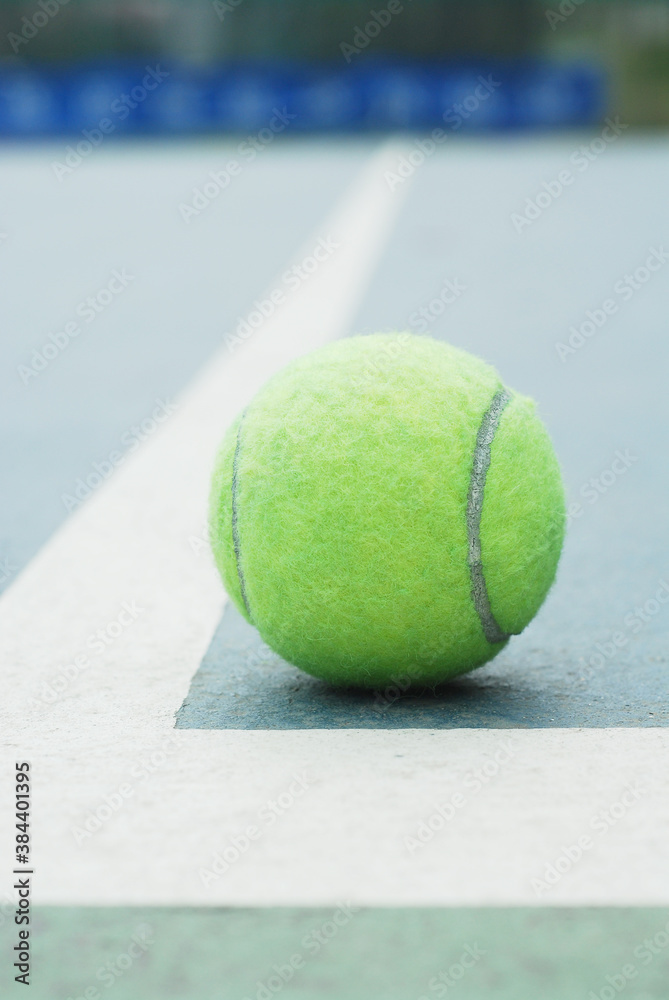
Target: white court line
(367, 791)
(164, 818)
(130, 542)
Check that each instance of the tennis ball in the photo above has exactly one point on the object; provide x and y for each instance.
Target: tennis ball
(385, 510)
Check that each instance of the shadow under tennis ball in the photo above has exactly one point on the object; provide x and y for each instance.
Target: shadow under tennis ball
(241, 684)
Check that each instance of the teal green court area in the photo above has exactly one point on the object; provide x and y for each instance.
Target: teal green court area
(343, 953)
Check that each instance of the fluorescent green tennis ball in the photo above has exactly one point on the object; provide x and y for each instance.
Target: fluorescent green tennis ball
(386, 510)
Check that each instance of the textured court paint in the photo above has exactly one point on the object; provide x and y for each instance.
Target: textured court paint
(242, 684)
(393, 954)
(350, 802)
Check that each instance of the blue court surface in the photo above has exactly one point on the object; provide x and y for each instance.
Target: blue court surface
(161, 730)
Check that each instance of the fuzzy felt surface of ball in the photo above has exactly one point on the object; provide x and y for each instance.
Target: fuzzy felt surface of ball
(386, 511)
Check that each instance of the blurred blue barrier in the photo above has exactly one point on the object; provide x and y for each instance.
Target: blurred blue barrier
(162, 99)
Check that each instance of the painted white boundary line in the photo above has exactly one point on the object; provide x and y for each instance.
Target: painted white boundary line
(394, 818)
(122, 572)
(131, 544)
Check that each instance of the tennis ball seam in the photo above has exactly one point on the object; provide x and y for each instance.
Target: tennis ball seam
(236, 541)
(480, 464)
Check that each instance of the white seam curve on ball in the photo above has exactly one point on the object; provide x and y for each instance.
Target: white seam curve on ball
(480, 465)
(236, 543)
